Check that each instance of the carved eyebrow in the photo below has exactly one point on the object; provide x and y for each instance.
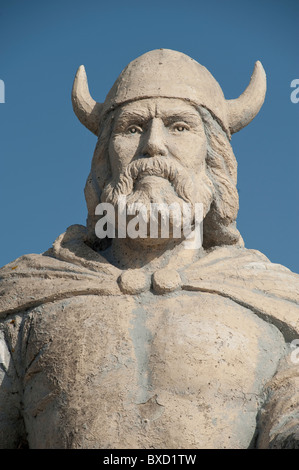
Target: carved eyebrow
(131, 116)
(127, 117)
(182, 116)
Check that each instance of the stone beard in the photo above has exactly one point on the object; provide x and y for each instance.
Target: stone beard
(138, 346)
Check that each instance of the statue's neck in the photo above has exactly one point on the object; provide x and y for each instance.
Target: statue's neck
(136, 254)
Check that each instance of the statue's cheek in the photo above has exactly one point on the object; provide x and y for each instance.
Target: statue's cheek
(189, 148)
(122, 150)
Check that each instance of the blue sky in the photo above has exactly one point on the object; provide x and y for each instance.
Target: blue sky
(46, 153)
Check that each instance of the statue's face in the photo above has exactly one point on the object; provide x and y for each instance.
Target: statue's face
(157, 127)
(157, 153)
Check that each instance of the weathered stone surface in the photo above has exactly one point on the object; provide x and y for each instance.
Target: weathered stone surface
(134, 281)
(166, 280)
(142, 343)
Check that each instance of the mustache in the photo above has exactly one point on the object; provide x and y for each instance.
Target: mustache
(163, 167)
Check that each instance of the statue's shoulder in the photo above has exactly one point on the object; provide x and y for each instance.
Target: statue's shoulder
(248, 277)
(67, 269)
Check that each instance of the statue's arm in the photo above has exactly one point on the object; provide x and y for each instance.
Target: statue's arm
(11, 422)
(278, 422)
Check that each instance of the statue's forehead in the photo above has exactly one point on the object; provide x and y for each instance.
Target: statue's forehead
(157, 107)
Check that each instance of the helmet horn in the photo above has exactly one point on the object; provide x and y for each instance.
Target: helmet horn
(87, 110)
(242, 110)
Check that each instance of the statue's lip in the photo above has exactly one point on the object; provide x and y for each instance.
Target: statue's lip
(147, 174)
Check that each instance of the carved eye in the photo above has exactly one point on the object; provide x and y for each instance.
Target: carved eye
(134, 130)
(181, 127)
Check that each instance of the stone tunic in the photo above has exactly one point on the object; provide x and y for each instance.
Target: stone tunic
(85, 365)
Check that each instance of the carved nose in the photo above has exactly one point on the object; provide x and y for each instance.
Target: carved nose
(154, 143)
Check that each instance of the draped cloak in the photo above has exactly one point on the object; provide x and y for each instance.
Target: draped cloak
(208, 364)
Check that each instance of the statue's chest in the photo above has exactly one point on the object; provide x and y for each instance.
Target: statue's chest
(141, 367)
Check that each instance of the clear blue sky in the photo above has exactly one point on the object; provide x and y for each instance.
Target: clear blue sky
(46, 153)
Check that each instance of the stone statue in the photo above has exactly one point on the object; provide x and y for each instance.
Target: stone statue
(120, 342)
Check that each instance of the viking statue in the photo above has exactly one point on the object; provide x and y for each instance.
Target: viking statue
(139, 342)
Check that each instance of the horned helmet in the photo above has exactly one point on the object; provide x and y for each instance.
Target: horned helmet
(166, 73)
